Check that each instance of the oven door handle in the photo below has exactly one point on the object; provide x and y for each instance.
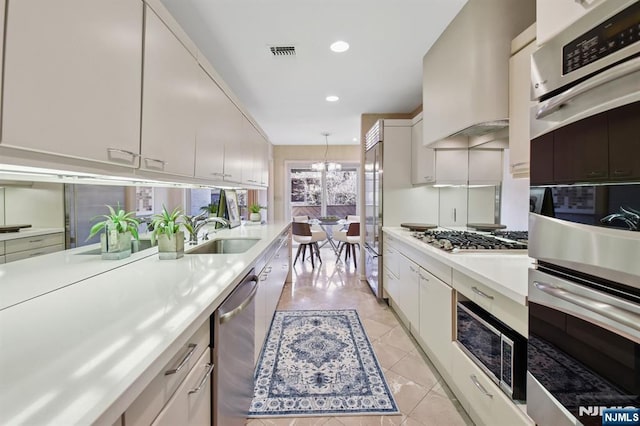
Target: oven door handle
(622, 316)
(552, 105)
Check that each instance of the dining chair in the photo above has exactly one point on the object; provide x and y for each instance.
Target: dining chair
(350, 239)
(303, 235)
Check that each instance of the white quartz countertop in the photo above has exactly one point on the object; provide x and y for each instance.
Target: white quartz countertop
(82, 353)
(505, 272)
(28, 232)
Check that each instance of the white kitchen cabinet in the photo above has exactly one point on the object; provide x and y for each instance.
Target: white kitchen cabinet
(212, 129)
(423, 159)
(24, 248)
(2, 259)
(72, 78)
(165, 384)
(170, 102)
(452, 166)
(436, 318)
(391, 284)
(553, 16)
(520, 103)
(485, 166)
(191, 404)
(483, 400)
(255, 155)
(390, 255)
(409, 292)
(506, 310)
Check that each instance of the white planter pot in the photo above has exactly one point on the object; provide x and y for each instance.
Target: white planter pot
(171, 248)
(255, 217)
(115, 246)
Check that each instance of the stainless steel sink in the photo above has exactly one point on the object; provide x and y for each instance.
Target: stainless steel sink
(224, 246)
(141, 245)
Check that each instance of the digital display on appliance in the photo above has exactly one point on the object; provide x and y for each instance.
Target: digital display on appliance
(614, 34)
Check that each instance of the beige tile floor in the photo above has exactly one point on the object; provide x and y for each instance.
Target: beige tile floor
(421, 394)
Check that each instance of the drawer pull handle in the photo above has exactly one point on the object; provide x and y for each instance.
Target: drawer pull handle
(264, 277)
(37, 241)
(268, 269)
(424, 278)
(475, 381)
(479, 292)
(155, 160)
(38, 253)
(217, 174)
(412, 269)
(207, 373)
(122, 151)
(185, 360)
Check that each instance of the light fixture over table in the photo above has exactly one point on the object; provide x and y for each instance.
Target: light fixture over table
(325, 165)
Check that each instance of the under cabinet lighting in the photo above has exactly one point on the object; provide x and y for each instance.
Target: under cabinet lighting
(339, 46)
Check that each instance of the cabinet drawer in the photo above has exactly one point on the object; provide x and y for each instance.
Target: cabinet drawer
(191, 404)
(481, 397)
(149, 403)
(391, 284)
(12, 257)
(1, 247)
(390, 253)
(37, 241)
(503, 308)
(2, 259)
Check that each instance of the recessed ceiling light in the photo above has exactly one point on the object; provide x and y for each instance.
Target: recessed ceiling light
(332, 98)
(340, 46)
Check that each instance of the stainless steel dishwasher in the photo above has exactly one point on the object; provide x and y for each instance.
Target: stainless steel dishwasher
(233, 342)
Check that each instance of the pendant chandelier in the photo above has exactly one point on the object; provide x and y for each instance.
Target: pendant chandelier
(326, 165)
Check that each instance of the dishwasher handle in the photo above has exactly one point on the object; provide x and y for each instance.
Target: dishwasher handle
(250, 280)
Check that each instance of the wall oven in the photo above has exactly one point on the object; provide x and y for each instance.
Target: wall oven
(584, 227)
(499, 350)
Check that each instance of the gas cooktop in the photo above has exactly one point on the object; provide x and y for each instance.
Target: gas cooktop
(461, 240)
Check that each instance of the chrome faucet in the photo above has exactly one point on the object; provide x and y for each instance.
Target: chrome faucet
(198, 224)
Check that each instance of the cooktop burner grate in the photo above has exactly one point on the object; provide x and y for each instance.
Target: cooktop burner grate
(461, 240)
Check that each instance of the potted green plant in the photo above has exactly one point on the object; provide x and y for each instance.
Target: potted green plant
(254, 210)
(212, 209)
(118, 226)
(166, 230)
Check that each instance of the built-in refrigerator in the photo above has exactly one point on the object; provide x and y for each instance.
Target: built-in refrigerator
(373, 206)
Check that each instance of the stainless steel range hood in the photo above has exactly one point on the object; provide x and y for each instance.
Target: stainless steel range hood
(466, 71)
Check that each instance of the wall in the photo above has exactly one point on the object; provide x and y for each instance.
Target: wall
(283, 153)
(41, 205)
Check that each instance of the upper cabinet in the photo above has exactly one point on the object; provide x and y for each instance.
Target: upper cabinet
(170, 102)
(520, 101)
(72, 78)
(423, 164)
(255, 158)
(213, 128)
(553, 16)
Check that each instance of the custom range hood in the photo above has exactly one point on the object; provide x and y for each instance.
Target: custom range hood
(466, 72)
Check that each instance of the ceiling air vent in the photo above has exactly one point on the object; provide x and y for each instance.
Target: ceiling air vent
(283, 50)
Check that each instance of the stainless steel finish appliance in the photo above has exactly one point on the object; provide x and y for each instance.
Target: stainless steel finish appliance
(591, 67)
(456, 241)
(584, 294)
(499, 350)
(233, 337)
(583, 352)
(373, 168)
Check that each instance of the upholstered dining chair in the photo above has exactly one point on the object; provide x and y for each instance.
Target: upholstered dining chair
(340, 231)
(350, 239)
(303, 235)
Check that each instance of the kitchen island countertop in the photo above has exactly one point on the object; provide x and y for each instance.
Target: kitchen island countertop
(82, 353)
(505, 272)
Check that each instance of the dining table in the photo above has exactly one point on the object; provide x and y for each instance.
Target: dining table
(327, 227)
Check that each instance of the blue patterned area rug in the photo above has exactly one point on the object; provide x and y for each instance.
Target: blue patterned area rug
(319, 363)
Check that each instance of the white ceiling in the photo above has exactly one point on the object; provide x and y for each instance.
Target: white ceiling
(381, 72)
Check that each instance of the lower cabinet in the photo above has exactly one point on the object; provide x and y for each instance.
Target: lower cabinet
(409, 292)
(157, 396)
(436, 318)
(485, 403)
(191, 404)
(24, 248)
(270, 284)
(391, 284)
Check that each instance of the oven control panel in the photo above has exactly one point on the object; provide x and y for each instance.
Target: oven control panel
(616, 33)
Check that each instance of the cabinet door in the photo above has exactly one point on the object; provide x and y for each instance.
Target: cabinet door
(423, 159)
(191, 404)
(624, 142)
(452, 166)
(476, 387)
(169, 102)
(409, 297)
(211, 129)
(581, 152)
(391, 285)
(72, 78)
(436, 317)
(519, 106)
(542, 160)
(485, 166)
(233, 143)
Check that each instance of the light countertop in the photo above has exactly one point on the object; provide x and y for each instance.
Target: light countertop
(505, 272)
(28, 232)
(82, 353)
